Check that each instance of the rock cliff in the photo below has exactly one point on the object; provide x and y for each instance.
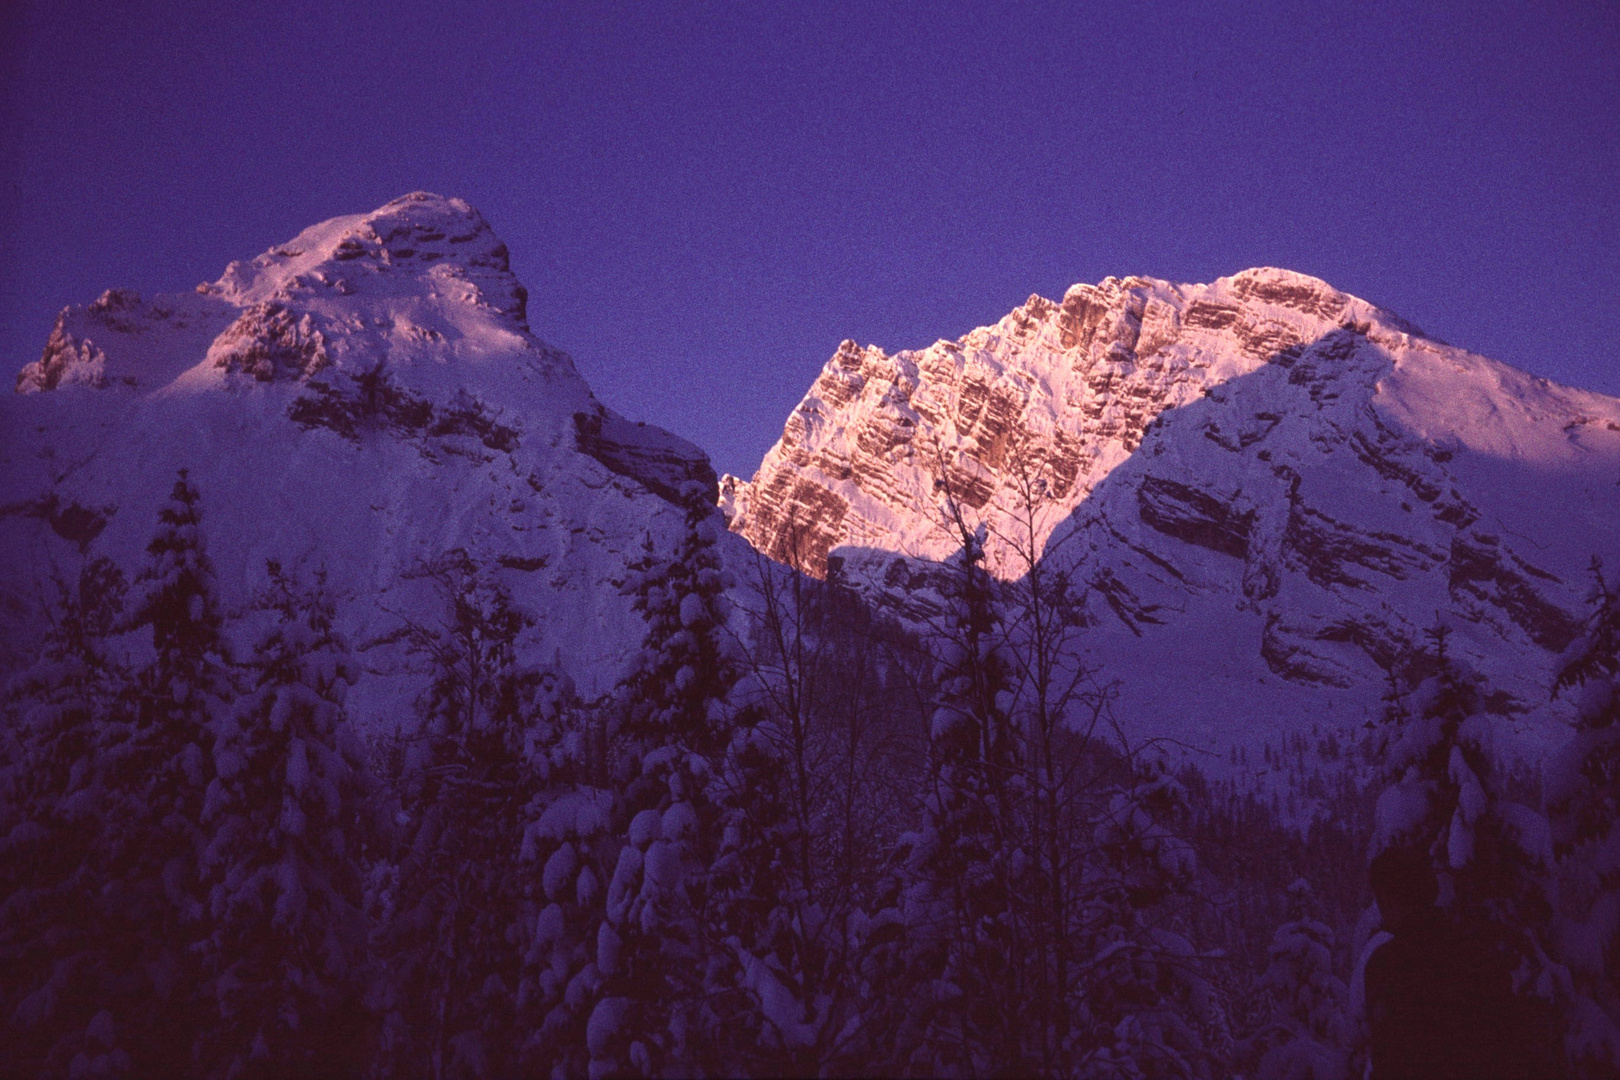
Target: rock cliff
(1262, 482)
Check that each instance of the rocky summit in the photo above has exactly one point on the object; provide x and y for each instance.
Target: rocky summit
(1268, 488)
(357, 402)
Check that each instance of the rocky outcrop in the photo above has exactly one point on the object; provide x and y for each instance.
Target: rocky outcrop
(1059, 391)
(269, 342)
(1263, 461)
(659, 461)
(68, 360)
(71, 357)
(1194, 516)
(1484, 575)
(415, 236)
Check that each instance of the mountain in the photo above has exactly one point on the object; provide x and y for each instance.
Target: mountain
(358, 401)
(1270, 489)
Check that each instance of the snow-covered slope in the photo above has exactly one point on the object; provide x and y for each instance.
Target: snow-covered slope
(1270, 486)
(359, 400)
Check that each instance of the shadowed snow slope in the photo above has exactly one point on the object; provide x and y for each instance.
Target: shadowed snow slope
(359, 400)
(1271, 488)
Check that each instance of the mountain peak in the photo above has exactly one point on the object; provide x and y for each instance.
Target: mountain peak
(1074, 387)
(1077, 382)
(420, 235)
(1258, 481)
(423, 276)
(363, 399)
(1278, 276)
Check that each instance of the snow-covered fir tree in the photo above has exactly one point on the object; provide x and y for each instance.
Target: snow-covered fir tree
(288, 816)
(1310, 1034)
(676, 693)
(1143, 1004)
(571, 840)
(55, 715)
(1446, 793)
(117, 910)
(1447, 796)
(568, 839)
(781, 1004)
(1582, 791)
(156, 766)
(964, 864)
(653, 954)
(462, 904)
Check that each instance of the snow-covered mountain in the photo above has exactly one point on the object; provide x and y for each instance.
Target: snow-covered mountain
(1270, 487)
(359, 401)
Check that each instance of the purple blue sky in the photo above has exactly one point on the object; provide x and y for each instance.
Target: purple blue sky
(705, 198)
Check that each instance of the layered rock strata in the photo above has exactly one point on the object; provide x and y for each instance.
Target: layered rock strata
(1264, 461)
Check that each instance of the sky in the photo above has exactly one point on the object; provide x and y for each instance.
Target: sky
(704, 199)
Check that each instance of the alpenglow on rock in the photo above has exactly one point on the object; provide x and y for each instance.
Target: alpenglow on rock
(360, 401)
(1269, 488)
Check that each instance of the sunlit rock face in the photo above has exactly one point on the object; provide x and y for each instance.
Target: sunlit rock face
(1260, 482)
(355, 403)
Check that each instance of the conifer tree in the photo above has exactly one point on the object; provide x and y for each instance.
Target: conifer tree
(120, 797)
(677, 690)
(288, 817)
(1309, 1033)
(964, 863)
(652, 955)
(56, 715)
(780, 1005)
(571, 841)
(1447, 798)
(1446, 794)
(463, 912)
(155, 769)
(1582, 790)
(1143, 1005)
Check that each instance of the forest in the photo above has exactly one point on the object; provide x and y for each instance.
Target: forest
(798, 839)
